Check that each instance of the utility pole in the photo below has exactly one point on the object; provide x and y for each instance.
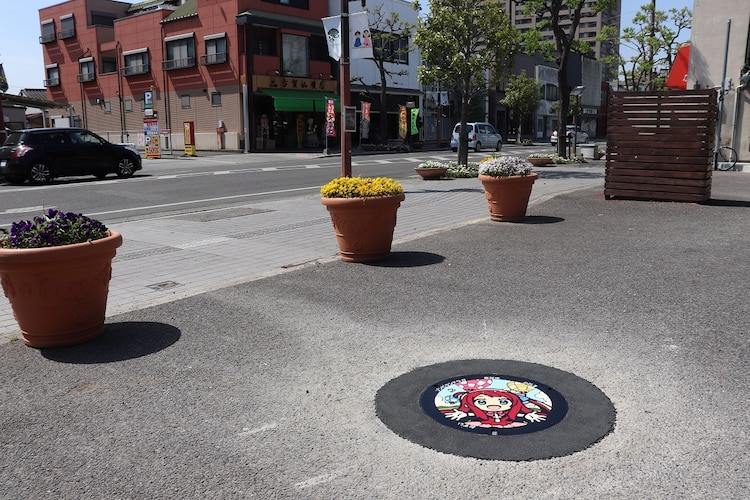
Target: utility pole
(652, 35)
(344, 85)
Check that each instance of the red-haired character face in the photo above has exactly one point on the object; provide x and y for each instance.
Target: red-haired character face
(493, 407)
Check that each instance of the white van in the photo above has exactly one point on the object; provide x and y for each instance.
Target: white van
(481, 135)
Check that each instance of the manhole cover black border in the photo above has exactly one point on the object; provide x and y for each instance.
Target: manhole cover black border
(590, 416)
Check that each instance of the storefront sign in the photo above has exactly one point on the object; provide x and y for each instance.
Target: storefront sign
(294, 83)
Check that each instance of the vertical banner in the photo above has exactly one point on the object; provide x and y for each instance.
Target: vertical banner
(332, 28)
(414, 121)
(330, 117)
(360, 36)
(402, 122)
(365, 129)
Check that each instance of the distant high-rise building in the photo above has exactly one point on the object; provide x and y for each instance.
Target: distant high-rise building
(590, 26)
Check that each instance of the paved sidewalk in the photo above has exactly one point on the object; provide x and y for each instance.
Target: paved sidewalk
(169, 258)
(271, 389)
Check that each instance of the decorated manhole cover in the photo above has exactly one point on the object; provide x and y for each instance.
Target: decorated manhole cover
(494, 404)
(496, 409)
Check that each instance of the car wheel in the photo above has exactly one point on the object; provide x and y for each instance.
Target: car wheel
(478, 147)
(40, 173)
(125, 168)
(499, 146)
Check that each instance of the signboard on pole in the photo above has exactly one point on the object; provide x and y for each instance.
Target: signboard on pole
(189, 135)
(151, 133)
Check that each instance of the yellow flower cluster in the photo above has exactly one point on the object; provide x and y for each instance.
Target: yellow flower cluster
(361, 187)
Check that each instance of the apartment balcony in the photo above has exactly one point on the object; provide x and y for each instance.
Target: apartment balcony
(66, 34)
(134, 70)
(209, 59)
(52, 82)
(187, 62)
(86, 77)
(50, 37)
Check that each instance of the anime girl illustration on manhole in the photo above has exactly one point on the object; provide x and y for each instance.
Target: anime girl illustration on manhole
(494, 405)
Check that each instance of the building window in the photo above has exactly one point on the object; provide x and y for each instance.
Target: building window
(53, 76)
(86, 70)
(128, 105)
(185, 101)
(318, 48)
(394, 48)
(136, 62)
(550, 92)
(264, 41)
(215, 98)
(300, 4)
(180, 52)
(216, 49)
(48, 32)
(108, 65)
(67, 27)
(294, 58)
(107, 107)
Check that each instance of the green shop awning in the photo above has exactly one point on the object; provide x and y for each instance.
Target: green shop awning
(300, 100)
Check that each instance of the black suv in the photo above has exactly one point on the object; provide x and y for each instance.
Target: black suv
(41, 154)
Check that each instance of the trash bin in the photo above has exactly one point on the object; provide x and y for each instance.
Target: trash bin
(589, 151)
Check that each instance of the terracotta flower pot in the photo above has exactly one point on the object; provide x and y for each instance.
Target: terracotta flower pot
(364, 226)
(59, 294)
(431, 173)
(508, 197)
(539, 162)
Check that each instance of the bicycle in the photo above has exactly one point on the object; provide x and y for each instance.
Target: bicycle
(726, 158)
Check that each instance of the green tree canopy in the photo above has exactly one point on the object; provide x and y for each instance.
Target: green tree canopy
(653, 40)
(522, 94)
(465, 44)
(563, 17)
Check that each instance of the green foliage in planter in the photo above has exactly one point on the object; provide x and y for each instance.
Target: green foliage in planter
(457, 171)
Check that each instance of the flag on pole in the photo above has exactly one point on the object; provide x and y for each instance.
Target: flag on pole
(365, 130)
(332, 27)
(414, 121)
(360, 36)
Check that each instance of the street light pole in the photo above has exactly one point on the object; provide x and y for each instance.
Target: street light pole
(344, 85)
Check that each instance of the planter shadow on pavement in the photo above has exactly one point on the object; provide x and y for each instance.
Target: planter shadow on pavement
(120, 341)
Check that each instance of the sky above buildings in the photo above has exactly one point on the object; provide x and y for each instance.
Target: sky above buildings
(21, 52)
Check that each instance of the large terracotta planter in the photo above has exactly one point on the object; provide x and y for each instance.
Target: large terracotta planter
(59, 294)
(364, 226)
(508, 197)
(431, 173)
(539, 162)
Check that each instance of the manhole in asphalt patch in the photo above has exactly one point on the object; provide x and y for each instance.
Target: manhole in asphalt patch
(496, 409)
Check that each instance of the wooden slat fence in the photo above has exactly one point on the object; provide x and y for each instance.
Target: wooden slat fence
(660, 145)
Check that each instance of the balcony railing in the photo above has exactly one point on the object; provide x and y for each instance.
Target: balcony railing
(214, 58)
(187, 62)
(66, 34)
(50, 37)
(134, 70)
(52, 82)
(86, 77)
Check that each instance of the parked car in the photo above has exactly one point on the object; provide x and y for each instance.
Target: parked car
(481, 134)
(581, 136)
(39, 155)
